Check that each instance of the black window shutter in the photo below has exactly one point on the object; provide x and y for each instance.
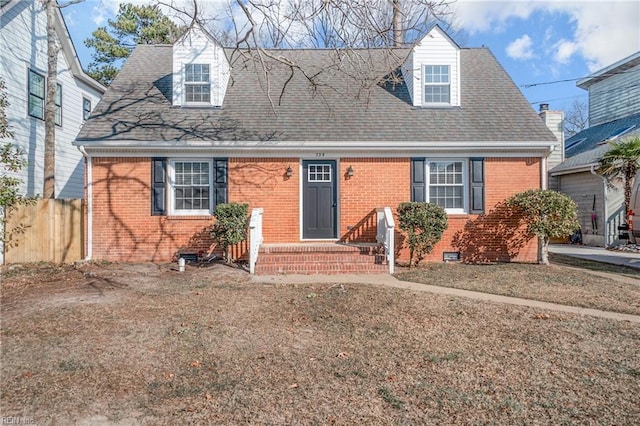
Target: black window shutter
(220, 181)
(476, 182)
(158, 186)
(418, 181)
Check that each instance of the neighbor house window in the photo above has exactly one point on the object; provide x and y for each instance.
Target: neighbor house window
(437, 84)
(446, 184)
(190, 186)
(59, 105)
(36, 95)
(197, 83)
(86, 108)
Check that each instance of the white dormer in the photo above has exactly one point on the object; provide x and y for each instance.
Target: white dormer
(432, 71)
(200, 70)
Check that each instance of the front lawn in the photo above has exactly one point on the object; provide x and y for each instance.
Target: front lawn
(591, 285)
(142, 344)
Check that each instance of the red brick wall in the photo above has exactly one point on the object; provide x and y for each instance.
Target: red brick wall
(264, 183)
(123, 228)
(376, 182)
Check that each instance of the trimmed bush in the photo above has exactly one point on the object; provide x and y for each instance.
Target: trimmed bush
(231, 226)
(548, 214)
(424, 224)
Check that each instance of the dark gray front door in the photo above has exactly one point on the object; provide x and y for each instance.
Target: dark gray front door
(319, 202)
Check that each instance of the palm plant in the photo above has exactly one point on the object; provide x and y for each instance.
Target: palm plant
(622, 161)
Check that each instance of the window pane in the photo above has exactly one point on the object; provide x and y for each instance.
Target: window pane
(36, 84)
(197, 73)
(191, 185)
(36, 107)
(198, 93)
(86, 108)
(446, 184)
(436, 81)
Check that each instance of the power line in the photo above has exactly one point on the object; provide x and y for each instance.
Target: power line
(605, 75)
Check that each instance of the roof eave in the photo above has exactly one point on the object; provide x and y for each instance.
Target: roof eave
(574, 169)
(529, 148)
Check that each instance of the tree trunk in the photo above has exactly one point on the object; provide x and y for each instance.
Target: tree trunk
(398, 33)
(628, 182)
(49, 186)
(544, 250)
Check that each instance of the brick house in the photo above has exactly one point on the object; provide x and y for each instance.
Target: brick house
(319, 141)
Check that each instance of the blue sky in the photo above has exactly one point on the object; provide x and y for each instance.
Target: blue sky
(536, 41)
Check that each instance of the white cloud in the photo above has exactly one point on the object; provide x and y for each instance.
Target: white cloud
(601, 32)
(521, 48)
(564, 49)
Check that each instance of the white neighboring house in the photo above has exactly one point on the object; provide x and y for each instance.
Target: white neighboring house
(614, 113)
(23, 49)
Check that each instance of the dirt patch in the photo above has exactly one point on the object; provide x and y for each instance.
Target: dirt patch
(154, 346)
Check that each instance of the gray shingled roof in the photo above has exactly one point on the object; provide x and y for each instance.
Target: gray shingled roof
(588, 146)
(137, 106)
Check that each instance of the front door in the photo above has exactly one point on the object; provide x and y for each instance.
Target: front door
(319, 201)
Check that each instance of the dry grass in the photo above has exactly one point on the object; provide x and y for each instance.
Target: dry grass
(141, 344)
(596, 285)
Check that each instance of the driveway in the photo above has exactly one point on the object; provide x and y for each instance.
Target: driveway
(598, 254)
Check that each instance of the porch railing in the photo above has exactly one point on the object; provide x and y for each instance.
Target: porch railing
(255, 237)
(385, 235)
(613, 221)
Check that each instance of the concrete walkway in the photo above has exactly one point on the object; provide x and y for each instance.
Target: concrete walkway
(599, 254)
(391, 281)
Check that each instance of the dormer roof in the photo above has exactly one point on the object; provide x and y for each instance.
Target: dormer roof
(340, 104)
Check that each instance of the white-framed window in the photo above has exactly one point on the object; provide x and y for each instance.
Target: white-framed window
(319, 173)
(447, 184)
(190, 187)
(197, 84)
(36, 95)
(437, 84)
(58, 104)
(86, 108)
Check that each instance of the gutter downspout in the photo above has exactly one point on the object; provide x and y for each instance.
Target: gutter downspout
(89, 201)
(604, 204)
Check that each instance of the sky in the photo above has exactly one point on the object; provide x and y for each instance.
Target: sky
(545, 46)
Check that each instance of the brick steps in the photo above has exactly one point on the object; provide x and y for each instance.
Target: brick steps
(307, 259)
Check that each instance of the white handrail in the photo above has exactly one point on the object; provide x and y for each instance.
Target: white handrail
(386, 234)
(255, 237)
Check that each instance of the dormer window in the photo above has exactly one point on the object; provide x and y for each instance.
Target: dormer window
(197, 84)
(437, 84)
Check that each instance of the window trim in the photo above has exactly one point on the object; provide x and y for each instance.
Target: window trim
(30, 94)
(171, 187)
(187, 83)
(426, 84)
(58, 106)
(86, 113)
(465, 182)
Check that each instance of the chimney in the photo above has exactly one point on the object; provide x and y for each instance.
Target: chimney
(544, 107)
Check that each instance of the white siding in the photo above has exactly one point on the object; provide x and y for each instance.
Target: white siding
(197, 47)
(436, 48)
(582, 187)
(615, 97)
(407, 75)
(554, 120)
(22, 22)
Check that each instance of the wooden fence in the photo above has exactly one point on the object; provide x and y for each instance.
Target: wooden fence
(46, 231)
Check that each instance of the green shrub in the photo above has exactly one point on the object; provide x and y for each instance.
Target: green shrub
(424, 224)
(548, 214)
(231, 226)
